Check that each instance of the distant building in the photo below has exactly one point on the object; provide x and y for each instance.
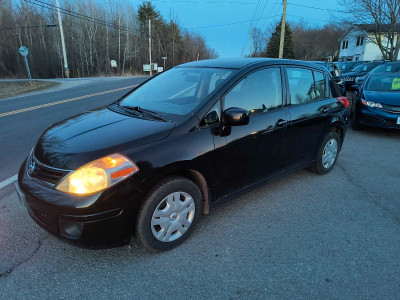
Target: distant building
(357, 44)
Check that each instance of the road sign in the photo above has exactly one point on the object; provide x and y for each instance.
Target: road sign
(146, 68)
(160, 69)
(164, 57)
(154, 67)
(113, 64)
(23, 51)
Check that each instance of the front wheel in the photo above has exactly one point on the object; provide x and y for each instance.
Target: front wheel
(327, 154)
(169, 214)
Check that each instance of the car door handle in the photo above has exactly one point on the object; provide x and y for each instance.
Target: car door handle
(281, 123)
(325, 110)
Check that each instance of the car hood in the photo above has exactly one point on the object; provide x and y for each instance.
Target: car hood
(76, 141)
(389, 98)
(354, 74)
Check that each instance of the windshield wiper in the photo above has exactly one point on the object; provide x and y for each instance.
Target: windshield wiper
(143, 111)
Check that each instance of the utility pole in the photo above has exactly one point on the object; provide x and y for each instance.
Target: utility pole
(251, 36)
(62, 40)
(150, 46)
(119, 39)
(283, 29)
(164, 58)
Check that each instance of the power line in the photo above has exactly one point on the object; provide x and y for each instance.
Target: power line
(75, 14)
(317, 8)
(206, 2)
(26, 27)
(261, 12)
(297, 16)
(228, 24)
(250, 27)
(272, 12)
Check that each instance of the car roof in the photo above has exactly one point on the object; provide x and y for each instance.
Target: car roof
(319, 62)
(240, 63)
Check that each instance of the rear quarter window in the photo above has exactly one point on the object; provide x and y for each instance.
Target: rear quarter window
(320, 85)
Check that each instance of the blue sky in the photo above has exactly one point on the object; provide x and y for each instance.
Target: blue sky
(233, 40)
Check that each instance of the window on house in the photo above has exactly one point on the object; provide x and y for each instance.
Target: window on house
(347, 44)
(344, 44)
(360, 40)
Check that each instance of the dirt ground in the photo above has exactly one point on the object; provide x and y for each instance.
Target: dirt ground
(13, 88)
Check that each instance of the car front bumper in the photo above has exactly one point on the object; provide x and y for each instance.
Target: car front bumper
(378, 118)
(97, 221)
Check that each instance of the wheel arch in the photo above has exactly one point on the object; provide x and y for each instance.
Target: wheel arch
(338, 128)
(194, 175)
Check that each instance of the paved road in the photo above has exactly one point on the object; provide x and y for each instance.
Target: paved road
(19, 131)
(304, 236)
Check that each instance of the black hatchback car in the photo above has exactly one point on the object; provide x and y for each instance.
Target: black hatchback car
(184, 141)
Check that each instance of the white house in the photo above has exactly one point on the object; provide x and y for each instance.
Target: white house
(357, 44)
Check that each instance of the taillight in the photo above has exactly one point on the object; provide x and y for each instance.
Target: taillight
(344, 101)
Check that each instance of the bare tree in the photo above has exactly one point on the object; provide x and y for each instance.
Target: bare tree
(384, 15)
(95, 33)
(316, 43)
(260, 39)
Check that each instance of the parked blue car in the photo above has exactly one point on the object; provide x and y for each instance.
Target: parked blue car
(378, 102)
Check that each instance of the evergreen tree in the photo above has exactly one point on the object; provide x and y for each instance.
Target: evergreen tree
(147, 11)
(273, 43)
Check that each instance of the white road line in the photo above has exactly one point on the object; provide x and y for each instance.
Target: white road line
(8, 181)
(63, 101)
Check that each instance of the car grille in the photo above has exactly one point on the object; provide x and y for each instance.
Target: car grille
(43, 219)
(371, 120)
(392, 124)
(391, 108)
(46, 175)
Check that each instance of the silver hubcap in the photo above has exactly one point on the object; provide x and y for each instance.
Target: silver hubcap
(329, 154)
(173, 217)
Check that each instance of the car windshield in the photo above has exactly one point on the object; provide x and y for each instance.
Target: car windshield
(178, 91)
(384, 83)
(387, 68)
(364, 68)
(345, 66)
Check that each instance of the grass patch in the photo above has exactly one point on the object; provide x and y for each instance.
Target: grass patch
(10, 89)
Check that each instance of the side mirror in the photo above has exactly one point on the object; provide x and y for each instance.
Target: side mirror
(355, 88)
(236, 117)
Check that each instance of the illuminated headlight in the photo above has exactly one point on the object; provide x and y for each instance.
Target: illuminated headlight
(371, 104)
(98, 175)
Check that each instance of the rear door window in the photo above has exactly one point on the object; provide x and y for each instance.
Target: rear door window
(301, 85)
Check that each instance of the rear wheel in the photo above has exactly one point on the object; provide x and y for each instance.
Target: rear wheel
(327, 154)
(169, 214)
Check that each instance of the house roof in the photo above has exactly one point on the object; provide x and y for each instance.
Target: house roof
(372, 27)
(366, 28)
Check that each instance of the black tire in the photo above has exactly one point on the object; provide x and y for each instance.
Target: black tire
(355, 123)
(156, 196)
(319, 168)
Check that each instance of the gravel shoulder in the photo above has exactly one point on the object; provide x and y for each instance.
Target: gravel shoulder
(10, 89)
